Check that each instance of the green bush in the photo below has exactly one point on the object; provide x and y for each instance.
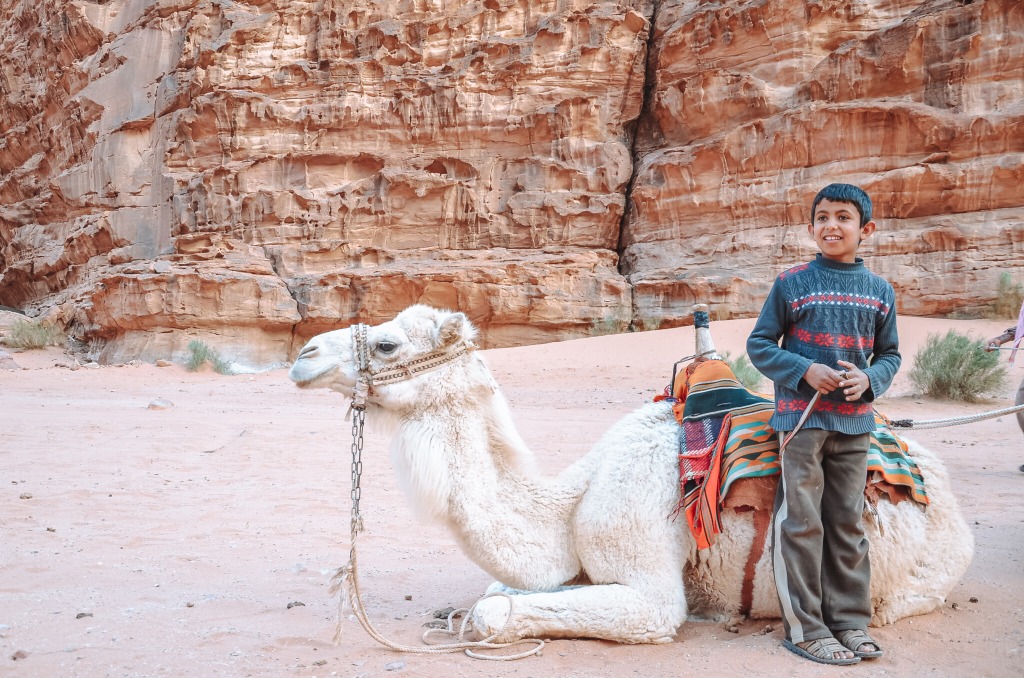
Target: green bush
(744, 370)
(1009, 296)
(27, 335)
(604, 326)
(956, 367)
(646, 324)
(200, 354)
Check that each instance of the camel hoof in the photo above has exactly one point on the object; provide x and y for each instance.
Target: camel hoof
(490, 616)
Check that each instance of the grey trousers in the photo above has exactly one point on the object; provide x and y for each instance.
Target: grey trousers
(820, 553)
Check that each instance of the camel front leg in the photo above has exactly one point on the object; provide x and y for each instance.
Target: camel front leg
(609, 612)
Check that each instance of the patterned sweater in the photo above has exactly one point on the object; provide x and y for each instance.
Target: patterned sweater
(826, 311)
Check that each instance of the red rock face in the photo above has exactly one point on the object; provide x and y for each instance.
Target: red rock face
(254, 173)
(756, 106)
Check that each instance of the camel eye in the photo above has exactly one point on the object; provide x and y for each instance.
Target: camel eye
(387, 347)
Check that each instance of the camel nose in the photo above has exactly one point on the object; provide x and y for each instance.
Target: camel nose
(308, 351)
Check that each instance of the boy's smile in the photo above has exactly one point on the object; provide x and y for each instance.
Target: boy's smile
(837, 231)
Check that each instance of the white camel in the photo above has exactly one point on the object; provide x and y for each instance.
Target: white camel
(605, 520)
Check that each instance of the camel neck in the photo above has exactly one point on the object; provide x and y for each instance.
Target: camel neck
(465, 477)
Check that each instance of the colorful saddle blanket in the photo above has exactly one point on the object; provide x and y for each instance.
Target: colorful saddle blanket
(724, 437)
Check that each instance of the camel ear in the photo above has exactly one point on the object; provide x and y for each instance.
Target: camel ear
(452, 330)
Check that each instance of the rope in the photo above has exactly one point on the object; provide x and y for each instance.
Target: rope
(952, 421)
(347, 577)
(803, 419)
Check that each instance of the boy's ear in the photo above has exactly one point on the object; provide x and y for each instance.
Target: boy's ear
(867, 229)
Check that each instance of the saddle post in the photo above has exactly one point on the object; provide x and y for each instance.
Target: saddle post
(705, 346)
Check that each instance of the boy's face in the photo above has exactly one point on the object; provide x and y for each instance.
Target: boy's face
(837, 231)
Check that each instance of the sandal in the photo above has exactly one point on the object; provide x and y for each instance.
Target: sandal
(821, 650)
(854, 639)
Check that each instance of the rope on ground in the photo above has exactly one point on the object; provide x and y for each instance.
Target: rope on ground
(348, 578)
(952, 421)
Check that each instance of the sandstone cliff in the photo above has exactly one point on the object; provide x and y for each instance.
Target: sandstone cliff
(756, 105)
(251, 173)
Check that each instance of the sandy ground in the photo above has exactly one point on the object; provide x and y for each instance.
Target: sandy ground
(199, 539)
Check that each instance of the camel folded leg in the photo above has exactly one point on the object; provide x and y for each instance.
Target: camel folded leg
(609, 612)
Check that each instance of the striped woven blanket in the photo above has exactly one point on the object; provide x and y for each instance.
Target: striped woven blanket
(724, 437)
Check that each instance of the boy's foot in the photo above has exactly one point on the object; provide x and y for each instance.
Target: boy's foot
(823, 650)
(860, 643)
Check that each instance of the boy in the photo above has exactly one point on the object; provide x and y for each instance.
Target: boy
(837, 323)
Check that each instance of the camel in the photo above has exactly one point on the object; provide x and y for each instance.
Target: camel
(592, 552)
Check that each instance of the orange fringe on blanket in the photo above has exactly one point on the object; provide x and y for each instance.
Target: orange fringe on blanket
(701, 506)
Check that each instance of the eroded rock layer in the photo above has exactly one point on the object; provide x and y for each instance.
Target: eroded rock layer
(244, 172)
(756, 105)
(251, 173)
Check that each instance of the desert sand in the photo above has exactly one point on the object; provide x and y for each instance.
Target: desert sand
(197, 536)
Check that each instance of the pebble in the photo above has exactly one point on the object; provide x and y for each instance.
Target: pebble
(394, 666)
(160, 404)
(295, 603)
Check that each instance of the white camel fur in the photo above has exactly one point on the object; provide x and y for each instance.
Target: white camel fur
(604, 520)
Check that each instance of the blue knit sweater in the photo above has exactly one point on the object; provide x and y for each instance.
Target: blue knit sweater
(825, 311)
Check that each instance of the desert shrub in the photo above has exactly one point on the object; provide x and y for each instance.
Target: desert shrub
(646, 324)
(744, 370)
(200, 354)
(605, 325)
(25, 334)
(1009, 296)
(956, 367)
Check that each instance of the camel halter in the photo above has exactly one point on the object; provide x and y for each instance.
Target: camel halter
(368, 378)
(347, 577)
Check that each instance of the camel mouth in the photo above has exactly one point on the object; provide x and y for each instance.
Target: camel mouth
(331, 378)
(304, 377)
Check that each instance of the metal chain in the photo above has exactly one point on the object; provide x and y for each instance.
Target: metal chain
(358, 419)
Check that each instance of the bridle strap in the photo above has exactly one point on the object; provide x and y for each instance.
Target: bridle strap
(368, 378)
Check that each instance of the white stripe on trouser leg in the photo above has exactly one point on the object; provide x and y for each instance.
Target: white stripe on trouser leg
(796, 629)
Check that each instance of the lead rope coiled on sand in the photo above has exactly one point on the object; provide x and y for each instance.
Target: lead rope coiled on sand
(346, 578)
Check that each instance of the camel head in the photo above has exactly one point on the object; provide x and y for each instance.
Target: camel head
(393, 353)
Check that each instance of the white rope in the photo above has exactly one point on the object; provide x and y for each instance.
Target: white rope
(347, 578)
(953, 421)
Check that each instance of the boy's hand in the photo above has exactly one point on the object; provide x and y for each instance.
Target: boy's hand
(854, 382)
(823, 378)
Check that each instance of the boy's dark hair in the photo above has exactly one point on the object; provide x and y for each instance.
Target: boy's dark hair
(845, 193)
